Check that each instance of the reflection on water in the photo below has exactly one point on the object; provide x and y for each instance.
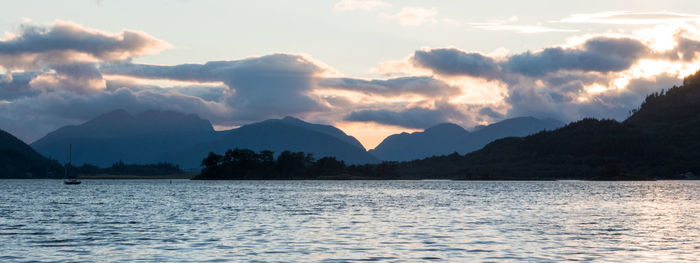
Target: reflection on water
(152, 220)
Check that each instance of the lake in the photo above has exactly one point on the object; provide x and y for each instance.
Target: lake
(337, 221)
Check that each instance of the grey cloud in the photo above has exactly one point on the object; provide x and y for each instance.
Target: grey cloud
(600, 54)
(79, 77)
(392, 87)
(206, 92)
(269, 86)
(529, 101)
(566, 78)
(67, 43)
(685, 50)
(419, 118)
(230, 72)
(615, 104)
(450, 61)
(488, 111)
(548, 83)
(16, 85)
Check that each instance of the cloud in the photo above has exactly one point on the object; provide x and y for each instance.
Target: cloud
(685, 49)
(365, 5)
(615, 103)
(488, 111)
(68, 43)
(631, 18)
(426, 86)
(415, 16)
(451, 62)
(213, 92)
(600, 54)
(16, 85)
(601, 76)
(568, 96)
(44, 86)
(264, 87)
(79, 77)
(52, 78)
(419, 118)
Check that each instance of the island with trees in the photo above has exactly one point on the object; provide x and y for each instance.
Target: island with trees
(245, 164)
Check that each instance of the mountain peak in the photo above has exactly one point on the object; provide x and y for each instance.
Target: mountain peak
(290, 118)
(445, 127)
(114, 115)
(326, 129)
(295, 121)
(159, 112)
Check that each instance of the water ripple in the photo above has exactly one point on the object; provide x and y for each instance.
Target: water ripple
(348, 221)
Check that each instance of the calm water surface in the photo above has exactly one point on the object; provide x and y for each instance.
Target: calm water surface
(195, 221)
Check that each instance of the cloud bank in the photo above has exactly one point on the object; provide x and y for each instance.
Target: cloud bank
(598, 77)
(66, 43)
(66, 73)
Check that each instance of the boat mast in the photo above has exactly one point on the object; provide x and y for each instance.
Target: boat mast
(70, 153)
(70, 159)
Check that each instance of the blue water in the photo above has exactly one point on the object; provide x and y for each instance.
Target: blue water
(396, 221)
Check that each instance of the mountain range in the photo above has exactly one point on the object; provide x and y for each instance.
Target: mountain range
(185, 139)
(119, 136)
(448, 138)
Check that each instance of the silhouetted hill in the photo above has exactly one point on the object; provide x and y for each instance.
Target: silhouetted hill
(438, 140)
(287, 134)
(448, 138)
(326, 129)
(119, 136)
(18, 160)
(660, 140)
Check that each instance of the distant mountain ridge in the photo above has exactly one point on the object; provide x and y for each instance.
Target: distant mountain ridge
(119, 136)
(185, 139)
(447, 138)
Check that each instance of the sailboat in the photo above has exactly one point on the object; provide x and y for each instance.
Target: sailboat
(69, 177)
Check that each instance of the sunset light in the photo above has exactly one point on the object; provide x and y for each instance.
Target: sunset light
(349, 131)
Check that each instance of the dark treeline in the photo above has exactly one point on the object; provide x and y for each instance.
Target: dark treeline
(120, 168)
(244, 164)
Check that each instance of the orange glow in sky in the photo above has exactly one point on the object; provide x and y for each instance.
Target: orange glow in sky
(371, 134)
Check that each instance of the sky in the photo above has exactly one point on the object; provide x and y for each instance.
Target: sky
(371, 68)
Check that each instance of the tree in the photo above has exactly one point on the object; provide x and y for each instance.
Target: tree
(212, 160)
